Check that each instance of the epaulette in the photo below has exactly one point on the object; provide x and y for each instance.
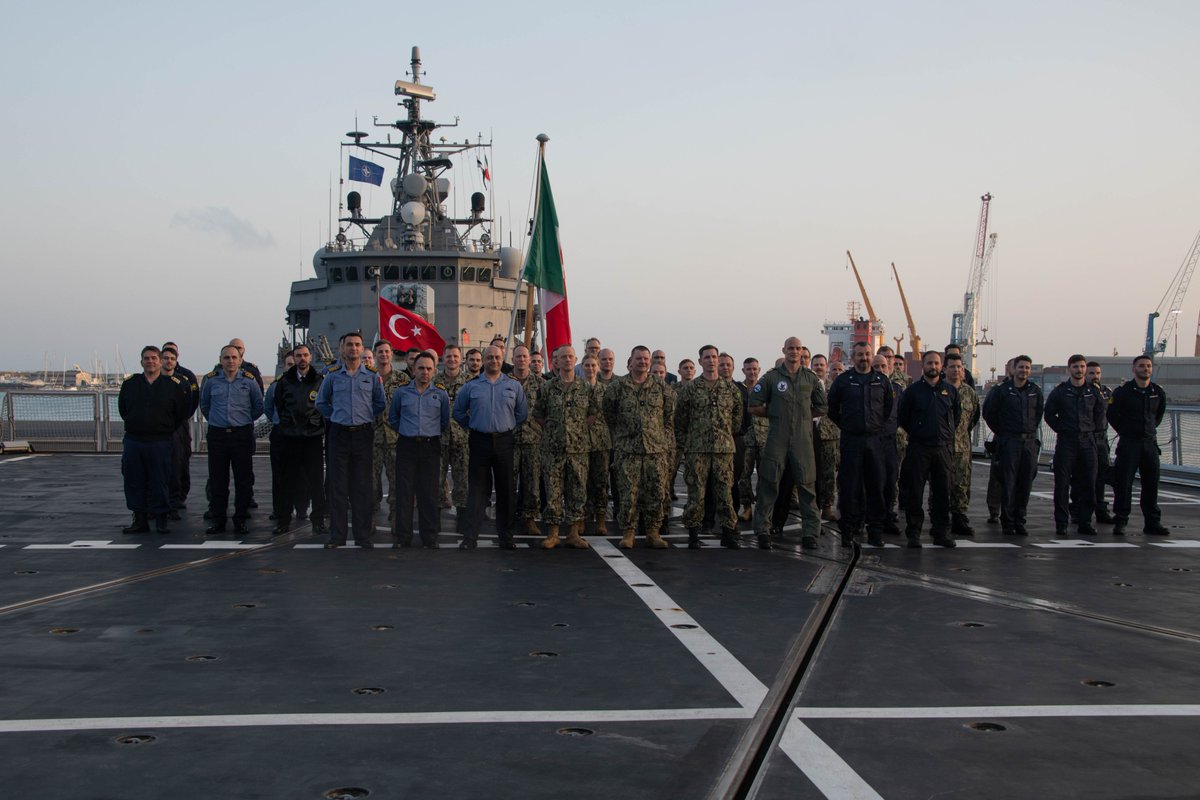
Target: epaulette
(177, 381)
(368, 366)
(248, 374)
(441, 386)
(212, 374)
(333, 368)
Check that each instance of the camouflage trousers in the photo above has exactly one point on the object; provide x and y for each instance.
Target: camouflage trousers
(597, 482)
(565, 478)
(527, 477)
(698, 468)
(640, 481)
(829, 458)
(960, 482)
(670, 469)
(901, 450)
(454, 459)
(750, 459)
(383, 459)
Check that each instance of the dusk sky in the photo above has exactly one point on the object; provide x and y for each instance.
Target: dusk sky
(168, 166)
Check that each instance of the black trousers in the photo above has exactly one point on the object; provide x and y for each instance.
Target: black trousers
(1017, 459)
(490, 461)
(418, 461)
(1074, 476)
(891, 472)
(860, 482)
(180, 477)
(230, 448)
(1136, 455)
(926, 463)
(350, 490)
(1103, 474)
(145, 467)
(299, 476)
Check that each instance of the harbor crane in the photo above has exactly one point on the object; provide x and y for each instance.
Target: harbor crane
(964, 324)
(913, 338)
(1176, 291)
(874, 320)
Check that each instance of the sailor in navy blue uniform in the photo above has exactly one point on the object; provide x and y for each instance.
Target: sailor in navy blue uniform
(230, 400)
(929, 411)
(1135, 412)
(420, 414)
(1013, 410)
(1075, 412)
(152, 405)
(180, 478)
(350, 397)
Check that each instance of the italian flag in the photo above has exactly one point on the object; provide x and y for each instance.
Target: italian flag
(544, 267)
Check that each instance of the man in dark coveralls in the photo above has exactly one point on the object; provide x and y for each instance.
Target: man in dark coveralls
(1135, 413)
(929, 413)
(1075, 411)
(1013, 410)
(152, 406)
(789, 396)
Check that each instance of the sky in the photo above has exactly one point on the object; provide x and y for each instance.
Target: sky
(168, 166)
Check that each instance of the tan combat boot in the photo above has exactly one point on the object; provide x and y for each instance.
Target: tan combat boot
(531, 527)
(573, 536)
(627, 539)
(655, 540)
(551, 540)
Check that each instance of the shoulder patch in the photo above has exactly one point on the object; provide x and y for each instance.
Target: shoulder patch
(312, 396)
(212, 374)
(177, 381)
(757, 388)
(368, 366)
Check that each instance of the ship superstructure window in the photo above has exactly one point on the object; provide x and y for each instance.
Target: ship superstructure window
(335, 274)
(299, 318)
(429, 273)
(351, 273)
(391, 272)
(412, 273)
(484, 275)
(448, 273)
(468, 274)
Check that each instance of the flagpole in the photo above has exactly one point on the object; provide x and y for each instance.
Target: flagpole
(537, 197)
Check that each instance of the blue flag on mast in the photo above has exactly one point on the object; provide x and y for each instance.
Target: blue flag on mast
(365, 171)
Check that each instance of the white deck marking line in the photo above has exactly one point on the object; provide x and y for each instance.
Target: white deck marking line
(972, 543)
(967, 712)
(84, 544)
(399, 718)
(821, 764)
(1079, 544)
(18, 458)
(747, 690)
(210, 545)
(1177, 543)
(1186, 498)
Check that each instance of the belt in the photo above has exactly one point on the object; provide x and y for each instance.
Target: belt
(353, 427)
(1022, 436)
(238, 429)
(421, 438)
(486, 435)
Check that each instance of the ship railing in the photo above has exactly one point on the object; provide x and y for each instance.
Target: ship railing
(81, 422)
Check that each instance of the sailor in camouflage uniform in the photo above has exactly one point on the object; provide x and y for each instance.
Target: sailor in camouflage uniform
(707, 415)
(755, 437)
(383, 451)
(599, 445)
(640, 411)
(565, 409)
(960, 465)
(829, 451)
(451, 378)
(527, 440)
(674, 457)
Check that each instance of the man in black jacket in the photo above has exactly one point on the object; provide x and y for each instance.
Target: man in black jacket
(860, 404)
(929, 413)
(301, 442)
(1075, 411)
(1013, 410)
(1135, 413)
(152, 406)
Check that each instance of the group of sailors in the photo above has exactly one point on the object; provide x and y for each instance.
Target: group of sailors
(852, 444)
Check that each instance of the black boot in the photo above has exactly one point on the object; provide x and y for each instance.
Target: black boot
(729, 539)
(694, 539)
(764, 542)
(160, 524)
(460, 519)
(139, 524)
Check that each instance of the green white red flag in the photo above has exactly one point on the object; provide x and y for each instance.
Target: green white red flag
(544, 267)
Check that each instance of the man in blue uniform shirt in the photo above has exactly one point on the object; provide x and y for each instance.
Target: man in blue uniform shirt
(350, 397)
(230, 400)
(420, 414)
(490, 407)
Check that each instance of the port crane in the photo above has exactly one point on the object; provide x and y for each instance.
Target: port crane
(1176, 291)
(913, 338)
(874, 320)
(964, 324)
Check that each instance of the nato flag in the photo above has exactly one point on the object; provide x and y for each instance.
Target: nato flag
(365, 171)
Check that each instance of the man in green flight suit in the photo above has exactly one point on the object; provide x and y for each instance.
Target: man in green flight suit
(789, 396)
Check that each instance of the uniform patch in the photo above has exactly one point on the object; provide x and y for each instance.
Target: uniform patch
(312, 395)
(758, 387)
(782, 386)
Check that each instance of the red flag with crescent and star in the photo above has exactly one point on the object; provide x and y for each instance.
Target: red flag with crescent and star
(406, 330)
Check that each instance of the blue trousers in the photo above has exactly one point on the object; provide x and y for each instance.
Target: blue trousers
(146, 467)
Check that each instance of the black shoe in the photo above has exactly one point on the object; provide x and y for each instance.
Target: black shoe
(1060, 530)
(874, 539)
(365, 545)
(1008, 531)
(402, 543)
(281, 529)
(694, 539)
(1087, 529)
(319, 527)
(174, 515)
(1156, 530)
(808, 543)
(215, 529)
(333, 545)
(505, 544)
(945, 541)
(914, 543)
(729, 539)
(1104, 517)
(891, 529)
(160, 524)
(431, 545)
(138, 525)
(240, 528)
(1019, 530)
(467, 544)
(993, 519)
(764, 542)
(1118, 528)
(961, 526)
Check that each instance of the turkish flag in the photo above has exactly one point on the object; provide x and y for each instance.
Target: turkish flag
(405, 330)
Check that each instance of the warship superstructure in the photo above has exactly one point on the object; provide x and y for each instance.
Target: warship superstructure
(448, 269)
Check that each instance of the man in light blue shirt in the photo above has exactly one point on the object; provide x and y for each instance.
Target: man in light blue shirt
(230, 400)
(350, 397)
(420, 414)
(490, 407)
